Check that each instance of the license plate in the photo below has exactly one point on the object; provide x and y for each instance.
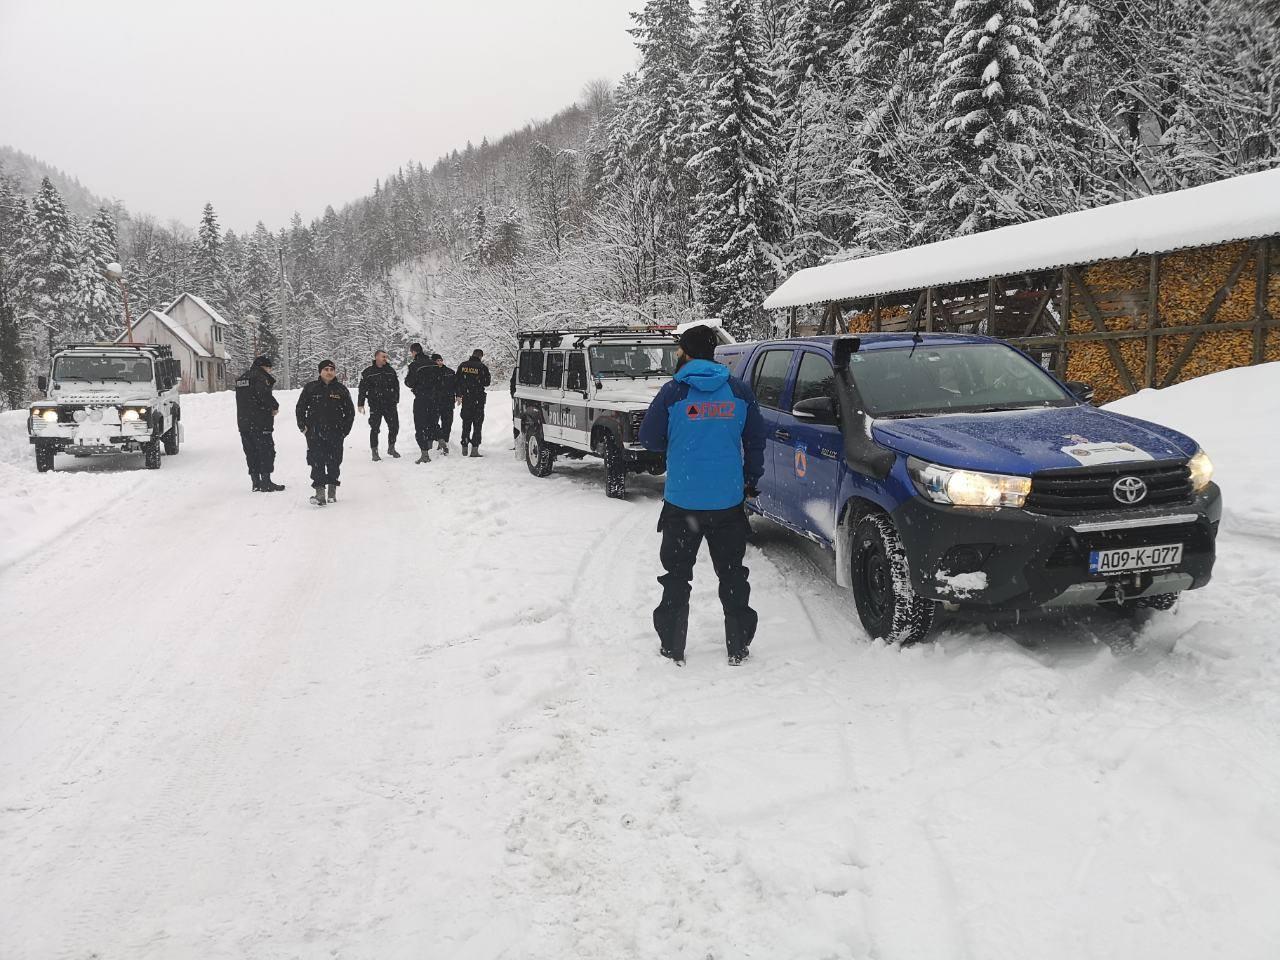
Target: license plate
(1130, 559)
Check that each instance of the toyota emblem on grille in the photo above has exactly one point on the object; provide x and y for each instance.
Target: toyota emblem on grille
(1129, 490)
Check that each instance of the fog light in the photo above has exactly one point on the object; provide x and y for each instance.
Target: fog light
(967, 558)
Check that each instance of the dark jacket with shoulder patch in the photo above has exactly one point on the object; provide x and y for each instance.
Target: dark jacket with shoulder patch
(255, 406)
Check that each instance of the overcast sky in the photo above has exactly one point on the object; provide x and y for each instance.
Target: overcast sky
(263, 107)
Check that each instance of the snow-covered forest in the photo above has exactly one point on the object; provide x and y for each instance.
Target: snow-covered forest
(753, 138)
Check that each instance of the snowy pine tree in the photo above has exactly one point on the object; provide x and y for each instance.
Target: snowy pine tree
(739, 217)
(54, 266)
(100, 308)
(991, 96)
(208, 271)
(14, 228)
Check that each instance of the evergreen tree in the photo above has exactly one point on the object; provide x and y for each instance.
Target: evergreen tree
(992, 98)
(13, 349)
(208, 273)
(739, 217)
(100, 310)
(54, 268)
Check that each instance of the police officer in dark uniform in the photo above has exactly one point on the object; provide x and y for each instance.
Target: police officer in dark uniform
(325, 414)
(256, 410)
(381, 387)
(438, 380)
(471, 382)
(414, 380)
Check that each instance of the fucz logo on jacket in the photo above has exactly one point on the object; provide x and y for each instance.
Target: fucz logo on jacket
(711, 410)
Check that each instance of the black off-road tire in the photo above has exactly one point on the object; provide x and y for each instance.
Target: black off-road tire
(887, 605)
(44, 457)
(151, 454)
(615, 465)
(538, 457)
(171, 441)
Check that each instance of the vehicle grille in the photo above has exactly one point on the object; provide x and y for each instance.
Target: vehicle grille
(1073, 551)
(67, 412)
(1088, 490)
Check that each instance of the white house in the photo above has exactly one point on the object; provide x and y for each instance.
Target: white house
(198, 335)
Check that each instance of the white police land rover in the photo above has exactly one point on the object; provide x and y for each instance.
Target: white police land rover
(581, 393)
(108, 398)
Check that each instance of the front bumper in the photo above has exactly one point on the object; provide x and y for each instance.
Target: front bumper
(1029, 560)
(95, 445)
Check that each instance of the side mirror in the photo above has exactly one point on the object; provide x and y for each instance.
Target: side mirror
(1081, 391)
(816, 410)
(42, 384)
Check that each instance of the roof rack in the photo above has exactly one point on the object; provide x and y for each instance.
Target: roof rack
(164, 349)
(544, 338)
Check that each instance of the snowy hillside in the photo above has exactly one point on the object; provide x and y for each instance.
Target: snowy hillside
(430, 721)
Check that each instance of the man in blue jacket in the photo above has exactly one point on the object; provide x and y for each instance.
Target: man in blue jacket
(708, 424)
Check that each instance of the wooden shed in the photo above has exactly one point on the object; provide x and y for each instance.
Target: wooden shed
(1145, 293)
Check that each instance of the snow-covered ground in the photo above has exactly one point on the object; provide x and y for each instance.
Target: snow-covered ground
(430, 722)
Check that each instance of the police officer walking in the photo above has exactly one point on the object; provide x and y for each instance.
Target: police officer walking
(709, 425)
(414, 380)
(256, 410)
(381, 387)
(325, 414)
(438, 380)
(471, 382)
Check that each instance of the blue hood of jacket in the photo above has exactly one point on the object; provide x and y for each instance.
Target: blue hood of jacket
(1024, 441)
(704, 375)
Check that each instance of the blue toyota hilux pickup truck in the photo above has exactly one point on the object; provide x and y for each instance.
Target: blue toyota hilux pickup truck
(954, 470)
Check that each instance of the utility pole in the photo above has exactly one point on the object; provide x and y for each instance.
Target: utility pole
(285, 356)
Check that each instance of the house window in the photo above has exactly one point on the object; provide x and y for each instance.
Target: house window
(200, 369)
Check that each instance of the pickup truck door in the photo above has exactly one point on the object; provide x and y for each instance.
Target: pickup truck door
(769, 371)
(808, 454)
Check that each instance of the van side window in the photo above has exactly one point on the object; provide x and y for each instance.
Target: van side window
(814, 379)
(555, 370)
(531, 368)
(770, 377)
(577, 372)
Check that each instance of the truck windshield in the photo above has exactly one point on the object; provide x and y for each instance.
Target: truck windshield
(633, 360)
(128, 369)
(959, 378)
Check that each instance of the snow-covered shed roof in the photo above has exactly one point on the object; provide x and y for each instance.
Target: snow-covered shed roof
(1240, 208)
(176, 330)
(202, 304)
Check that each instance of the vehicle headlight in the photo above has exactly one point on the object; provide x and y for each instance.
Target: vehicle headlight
(1201, 468)
(50, 415)
(968, 488)
(133, 414)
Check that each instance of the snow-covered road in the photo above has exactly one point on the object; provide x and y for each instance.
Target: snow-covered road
(429, 721)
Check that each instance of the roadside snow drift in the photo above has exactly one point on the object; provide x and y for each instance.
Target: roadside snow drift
(430, 721)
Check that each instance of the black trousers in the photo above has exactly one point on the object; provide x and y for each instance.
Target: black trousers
(376, 416)
(472, 421)
(682, 534)
(324, 456)
(440, 418)
(422, 422)
(259, 451)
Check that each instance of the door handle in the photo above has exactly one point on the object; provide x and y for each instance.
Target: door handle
(782, 434)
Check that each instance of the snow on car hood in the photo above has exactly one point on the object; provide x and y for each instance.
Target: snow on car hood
(630, 391)
(1024, 441)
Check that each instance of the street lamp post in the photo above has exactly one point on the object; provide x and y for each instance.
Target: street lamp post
(113, 271)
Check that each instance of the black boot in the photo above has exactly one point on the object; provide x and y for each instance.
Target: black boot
(375, 454)
(391, 451)
(269, 485)
(318, 496)
(333, 493)
(257, 482)
(475, 451)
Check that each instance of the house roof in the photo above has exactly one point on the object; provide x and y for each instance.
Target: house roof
(176, 329)
(1240, 208)
(202, 304)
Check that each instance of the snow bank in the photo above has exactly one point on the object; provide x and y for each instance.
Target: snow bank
(1235, 416)
(1234, 209)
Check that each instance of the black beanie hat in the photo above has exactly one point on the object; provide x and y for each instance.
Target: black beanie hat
(477, 354)
(699, 342)
(327, 363)
(263, 361)
(415, 348)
